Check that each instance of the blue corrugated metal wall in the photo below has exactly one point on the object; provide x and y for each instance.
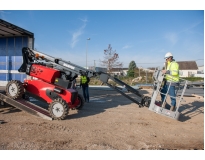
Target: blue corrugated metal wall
(11, 58)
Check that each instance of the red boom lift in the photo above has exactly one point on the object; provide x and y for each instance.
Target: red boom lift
(51, 79)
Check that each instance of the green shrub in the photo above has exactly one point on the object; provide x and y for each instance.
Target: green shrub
(194, 78)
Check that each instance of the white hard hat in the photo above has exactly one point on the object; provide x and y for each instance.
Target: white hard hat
(167, 55)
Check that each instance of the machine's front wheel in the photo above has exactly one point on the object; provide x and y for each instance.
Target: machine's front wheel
(14, 89)
(81, 102)
(58, 109)
(146, 101)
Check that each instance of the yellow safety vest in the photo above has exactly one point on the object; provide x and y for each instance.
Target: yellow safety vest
(83, 79)
(173, 67)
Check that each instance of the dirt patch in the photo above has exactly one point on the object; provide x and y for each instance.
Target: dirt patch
(109, 122)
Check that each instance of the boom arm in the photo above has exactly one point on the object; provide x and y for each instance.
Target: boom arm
(141, 100)
(32, 56)
(71, 71)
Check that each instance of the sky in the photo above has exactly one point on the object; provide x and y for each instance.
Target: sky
(143, 36)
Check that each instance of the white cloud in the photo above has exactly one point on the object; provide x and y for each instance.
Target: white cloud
(126, 47)
(193, 25)
(78, 33)
(84, 20)
(172, 37)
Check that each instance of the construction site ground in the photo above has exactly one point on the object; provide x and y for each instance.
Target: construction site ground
(109, 121)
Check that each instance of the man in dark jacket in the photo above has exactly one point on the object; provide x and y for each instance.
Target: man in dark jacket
(84, 80)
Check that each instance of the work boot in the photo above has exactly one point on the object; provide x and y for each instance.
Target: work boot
(172, 108)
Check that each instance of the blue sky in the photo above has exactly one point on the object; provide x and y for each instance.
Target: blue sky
(140, 35)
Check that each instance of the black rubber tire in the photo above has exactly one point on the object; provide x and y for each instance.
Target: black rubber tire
(14, 89)
(58, 109)
(82, 102)
(147, 101)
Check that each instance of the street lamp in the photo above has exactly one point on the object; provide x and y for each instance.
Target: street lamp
(139, 70)
(146, 75)
(87, 50)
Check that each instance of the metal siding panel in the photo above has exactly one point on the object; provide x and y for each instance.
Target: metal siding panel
(12, 63)
(13, 66)
(18, 46)
(9, 77)
(18, 62)
(10, 46)
(2, 62)
(17, 65)
(3, 46)
(24, 76)
(2, 76)
(25, 41)
(18, 76)
(11, 57)
(19, 59)
(2, 65)
(2, 58)
(9, 63)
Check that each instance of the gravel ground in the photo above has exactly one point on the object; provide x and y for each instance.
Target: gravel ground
(109, 122)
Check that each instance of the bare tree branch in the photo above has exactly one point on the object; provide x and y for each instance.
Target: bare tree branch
(111, 59)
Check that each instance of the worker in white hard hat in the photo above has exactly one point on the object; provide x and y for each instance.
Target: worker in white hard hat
(171, 79)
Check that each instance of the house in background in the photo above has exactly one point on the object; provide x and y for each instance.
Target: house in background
(119, 71)
(187, 68)
(200, 70)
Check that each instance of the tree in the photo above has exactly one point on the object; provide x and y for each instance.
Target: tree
(132, 67)
(111, 59)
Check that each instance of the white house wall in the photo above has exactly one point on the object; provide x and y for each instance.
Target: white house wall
(201, 69)
(187, 73)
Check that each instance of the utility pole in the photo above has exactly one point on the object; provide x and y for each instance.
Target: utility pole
(94, 64)
(87, 50)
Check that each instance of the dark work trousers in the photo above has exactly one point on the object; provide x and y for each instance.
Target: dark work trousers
(86, 93)
(171, 92)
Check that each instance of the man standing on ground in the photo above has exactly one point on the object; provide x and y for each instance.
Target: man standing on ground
(171, 78)
(84, 80)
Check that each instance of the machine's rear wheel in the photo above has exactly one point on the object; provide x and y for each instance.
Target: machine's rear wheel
(14, 89)
(58, 109)
(81, 102)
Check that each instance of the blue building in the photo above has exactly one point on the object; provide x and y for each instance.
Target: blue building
(12, 40)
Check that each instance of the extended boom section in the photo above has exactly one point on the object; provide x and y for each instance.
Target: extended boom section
(140, 99)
